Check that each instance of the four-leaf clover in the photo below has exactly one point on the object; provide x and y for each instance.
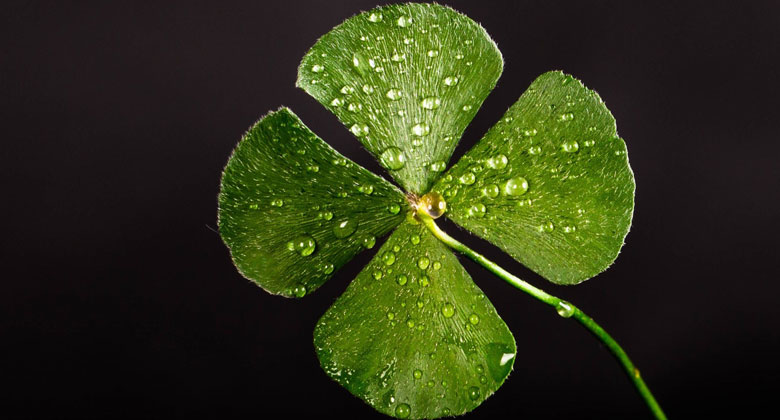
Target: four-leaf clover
(550, 184)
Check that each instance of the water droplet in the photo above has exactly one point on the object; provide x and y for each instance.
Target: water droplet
(390, 315)
(327, 268)
(313, 168)
(403, 411)
(393, 208)
(569, 229)
(421, 129)
(468, 178)
(570, 146)
(474, 319)
(473, 393)
(336, 102)
(317, 68)
(566, 116)
(437, 166)
(478, 210)
(588, 143)
(433, 204)
(368, 89)
(466, 108)
(369, 242)
(480, 369)
(375, 17)
(344, 228)
(423, 262)
(415, 239)
(417, 374)
(451, 80)
(430, 102)
(404, 21)
(401, 279)
(393, 158)
(377, 275)
(366, 189)
(304, 245)
(483, 379)
(534, 150)
(564, 309)
(547, 227)
(394, 94)
(299, 291)
(433, 53)
(491, 190)
(347, 90)
(448, 310)
(410, 323)
(497, 162)
(446, 411)
(359, 130)
(516, 186)
(431, 383)
(398, 57)
(499, 358)
(277, 202)
(436, 265)
(388, 258)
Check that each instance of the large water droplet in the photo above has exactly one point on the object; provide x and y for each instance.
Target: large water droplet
(516, 186)
(359, 130)
(499, 360)
(473, 393)
(299, 290)
(497, 162)
(433, 53)
(304, 245)
(368, 89)
(388, 258)
(417, 374)
(421, 129)
(433, 204)
(394, 94)
(401, 279)
(317, 68)
(403, 411)
(423, 262)
(393, 208)
(468, 178)
(474, 319)
(448, 310)
(564, 309)
(491, 190)
(547, 227)
(404, 21)
(437, 166)
(345, 228)
(369, 242)
(570, 146)
(451, 80)
(375, 17)
(477, 210)
(393, 158)
(430, 102)
(414, 239)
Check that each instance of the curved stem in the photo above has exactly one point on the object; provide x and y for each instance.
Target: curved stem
(564, 308)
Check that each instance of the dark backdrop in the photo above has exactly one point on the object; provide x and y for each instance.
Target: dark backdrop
(118, 298)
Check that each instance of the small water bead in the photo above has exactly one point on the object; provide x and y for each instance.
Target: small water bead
(366, 189)
(408, 41)
(299, 291)
(403, 411)
(420, 304)
(368, 89)
(436, 265)
(431, 383)
(570, 146)
(347, 90)
(277, 202)
(421, 129)
(423, 263)
(566, 116)
(393, 208)
(375, 17)
(430, 102)
(359, 130)
(313, 168)
(497, 162)
(369, 242)
(417, 374)
(327, 268)
(483, 379)
(474, 319)
(437, 166)
(393, 158)
(480, 369)
(417, 142)
(354, 107)
(424, 281)
(473, 393)
(303, 245)
(401, 279)
(433, 204)
(404, 21)
(478, 210)
(530, 132)
(534, 150)
(253, 206)
(344, 228)
(448, 310)
(336, 102)
(410, 323)
(390, 315)
(569, 229)
(398, 57)
(415, 239)
(394, 94)
(451, 80)
(491, 190)
(516, 186)
(388, 258)
(564, 309)
(466, 108)
(588, 143)
(327, 215)
(433, 53)
(377, 275)
(396, 248)
(468, 178)
(547, 227)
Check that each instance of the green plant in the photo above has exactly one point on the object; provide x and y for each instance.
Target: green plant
(550, 184)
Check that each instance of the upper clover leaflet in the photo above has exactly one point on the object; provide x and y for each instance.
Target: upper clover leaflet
(550, 184)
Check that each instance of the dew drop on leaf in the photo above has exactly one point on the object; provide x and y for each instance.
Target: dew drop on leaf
(415, 239)
(474, 319)
(344, 228)
(448, 310)
(401, 279)
(564, 309)
(499, 358)
(375, 17)
(421, 129)
(473, 393)
(498, 162)
(358, 129)
(404, 21)
(403, 411)
(394, 94)
(477, 210)
(369, 242)
(423, 262)
(451, 80)
(430, 102)
(388, 258)
(491, 190)
(304, 245)
(417, 374)
(570, 146)
(299, 290)
(393, 208)
(516, 186)
(468, 178)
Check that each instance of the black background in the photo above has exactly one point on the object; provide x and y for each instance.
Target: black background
(118, 299)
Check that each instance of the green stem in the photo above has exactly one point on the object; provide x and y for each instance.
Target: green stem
(564, 308)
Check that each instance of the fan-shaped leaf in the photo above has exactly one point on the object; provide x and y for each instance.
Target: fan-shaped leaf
(413, 335)
(293, 210)
(550, 183)
(406, 79)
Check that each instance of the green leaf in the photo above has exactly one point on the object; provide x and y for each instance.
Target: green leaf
(406, 79)
(550, 183)
(412, 335)
(292, 210)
